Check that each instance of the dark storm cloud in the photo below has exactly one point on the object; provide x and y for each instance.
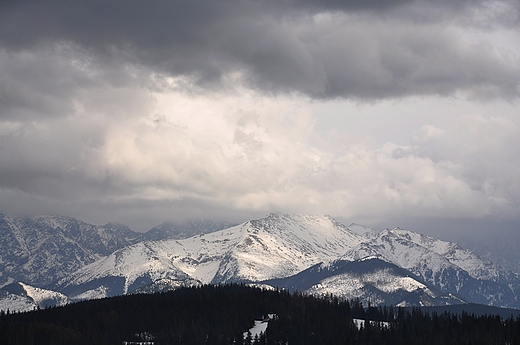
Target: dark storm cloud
(277, 46)
(145, 23)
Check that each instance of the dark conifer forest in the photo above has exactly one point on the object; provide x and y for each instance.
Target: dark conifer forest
(221, 314)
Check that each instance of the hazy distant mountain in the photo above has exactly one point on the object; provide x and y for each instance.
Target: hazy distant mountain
(502, 250)
(179, 232)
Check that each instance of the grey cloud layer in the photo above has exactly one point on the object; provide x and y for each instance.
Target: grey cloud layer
(114, 110)
(328, 49)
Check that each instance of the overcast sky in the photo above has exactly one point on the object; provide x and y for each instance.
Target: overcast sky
(380, 112)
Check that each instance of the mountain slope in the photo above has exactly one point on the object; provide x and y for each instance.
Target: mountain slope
(124, 271)
(41, 250)
(24, 297)
(281, 245)
(463, 258)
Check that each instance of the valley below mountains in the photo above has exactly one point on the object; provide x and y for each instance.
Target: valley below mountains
(55, 260)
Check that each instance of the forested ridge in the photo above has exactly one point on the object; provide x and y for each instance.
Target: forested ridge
(221, 314)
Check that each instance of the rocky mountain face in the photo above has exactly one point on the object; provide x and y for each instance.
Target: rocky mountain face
(299, 252)
(41, 250)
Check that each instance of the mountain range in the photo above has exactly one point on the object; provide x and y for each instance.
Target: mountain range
(70, 260)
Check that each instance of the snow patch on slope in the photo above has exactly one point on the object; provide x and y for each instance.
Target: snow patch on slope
(43, 297)
(97, 293)
(351, 285)
(15, 303)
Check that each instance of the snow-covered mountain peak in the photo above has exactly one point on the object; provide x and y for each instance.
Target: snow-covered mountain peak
(434, 244)
(122, 272)
(310, 228)
(41, 250)
(443, 264)
(282, 244)
(278, 245)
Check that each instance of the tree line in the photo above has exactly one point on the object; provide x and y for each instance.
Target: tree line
(220, 314)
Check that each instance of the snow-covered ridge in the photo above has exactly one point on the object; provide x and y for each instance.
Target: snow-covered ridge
(10, 302)
(463, 258)
(265, 249)
(42, 296)
(354, 284)
(24, 297)
(443, 264)
(278, 245)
